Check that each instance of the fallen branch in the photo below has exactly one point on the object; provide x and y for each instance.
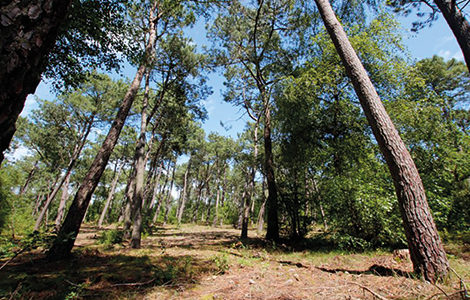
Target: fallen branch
(135, 283)
(15, 291)
(13, 257)
(368, 289)
(463, 287)
(298, 265)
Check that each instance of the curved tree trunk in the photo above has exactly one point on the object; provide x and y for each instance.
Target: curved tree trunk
(66, 238)
(426, 250)
(28, 32)
(458, 24)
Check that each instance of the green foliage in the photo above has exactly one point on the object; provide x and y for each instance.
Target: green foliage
(111, 237)
(221, 263)
(92, 37)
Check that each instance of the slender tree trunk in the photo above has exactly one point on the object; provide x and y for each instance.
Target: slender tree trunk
(138, 196)
(62, 204)
(28, 32)
(217, 199)
(246, 205)
(168, 197)
(28, 179)
(426, 250)
(458, 24)
(156, 187)
(66, 238)
(117, 173)
(39, 200)
(129, 209)
(272, 232)
(73, 160)
(262, 209)
(183, 196)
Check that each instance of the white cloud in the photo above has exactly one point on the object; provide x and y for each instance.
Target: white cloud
(446, 54)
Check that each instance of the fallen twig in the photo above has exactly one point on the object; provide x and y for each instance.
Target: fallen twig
(368, 289)
(13, 257)
(463, 287)
(291, 263)
(135, 283)
(15, 291)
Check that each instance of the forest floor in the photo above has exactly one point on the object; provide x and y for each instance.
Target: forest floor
(199, 262)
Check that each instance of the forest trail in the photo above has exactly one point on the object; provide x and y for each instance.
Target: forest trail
(199, 262)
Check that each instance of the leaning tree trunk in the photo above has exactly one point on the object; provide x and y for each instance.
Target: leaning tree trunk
(66, 238)
(140, 161)
(458, 24)
(426, 250)
(28, 32)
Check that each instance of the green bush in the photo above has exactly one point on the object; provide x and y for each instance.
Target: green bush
(111, 237)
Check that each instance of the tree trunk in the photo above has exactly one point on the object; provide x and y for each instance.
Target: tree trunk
(156, 187)
(183, 196)
(272, 232)
(28, 32)
(217, 199)
(117, 172)
(139, 158)
(73, 160)
(168, 197)
(458, 24)
(262, 210)
(62, 204)
(426, 250)
(28, 179)
(129, 209)
(66, 238)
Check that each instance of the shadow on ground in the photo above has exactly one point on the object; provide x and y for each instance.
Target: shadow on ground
(377, 270)
(92, 274)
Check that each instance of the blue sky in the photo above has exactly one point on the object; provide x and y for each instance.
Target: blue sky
(434, 40)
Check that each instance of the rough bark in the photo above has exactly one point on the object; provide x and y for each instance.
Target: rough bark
(28, 32)
(66, 238)
(458, 24)
(128, 209)
(426, 250)
(140, 162)
(117, 173)
(272, 232)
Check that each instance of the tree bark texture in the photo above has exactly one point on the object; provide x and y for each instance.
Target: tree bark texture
(140, 162)
(426, 250)
(28, 31)
(66, 238)
(272, 232)
(458, 24)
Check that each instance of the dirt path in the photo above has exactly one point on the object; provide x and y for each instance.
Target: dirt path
(197, 262)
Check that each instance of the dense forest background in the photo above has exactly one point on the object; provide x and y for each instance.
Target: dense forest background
(307, 141)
